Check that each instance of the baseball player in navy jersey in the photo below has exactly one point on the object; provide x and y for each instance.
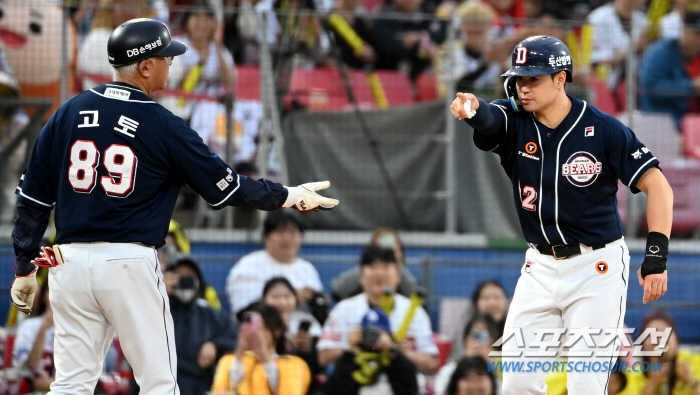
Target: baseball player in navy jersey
(111, 162)
(564, 158)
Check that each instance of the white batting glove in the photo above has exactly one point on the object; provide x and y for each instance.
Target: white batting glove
(468, 109)
(305, 198)
(23, 291)
(49, 257)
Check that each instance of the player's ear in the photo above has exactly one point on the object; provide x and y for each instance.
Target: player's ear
(561, 78)
(145, 67)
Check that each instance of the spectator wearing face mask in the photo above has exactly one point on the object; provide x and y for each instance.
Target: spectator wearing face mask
(202, 334)
(176, 246)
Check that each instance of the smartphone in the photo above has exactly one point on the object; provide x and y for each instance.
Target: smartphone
(253, 319)
(305, 325)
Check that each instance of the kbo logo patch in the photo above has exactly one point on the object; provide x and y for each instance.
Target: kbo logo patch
(581, 169)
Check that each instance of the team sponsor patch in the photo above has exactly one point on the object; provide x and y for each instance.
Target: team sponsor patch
(528, 266)
(581, 169)
(601, 267)
(639, 153)
(531, 148)
(588, 132)
(120, 94)
(222, 184)
(558, 61)
(146, 47)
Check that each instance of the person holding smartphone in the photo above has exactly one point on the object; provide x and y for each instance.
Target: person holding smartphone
(303, 331)
(257, 367)
(479, 335)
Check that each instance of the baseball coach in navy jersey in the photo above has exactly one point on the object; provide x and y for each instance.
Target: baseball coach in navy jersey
(564, 158)
(111, 162)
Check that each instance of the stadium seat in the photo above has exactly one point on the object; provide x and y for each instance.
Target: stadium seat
(602, 98)
(426, 87)
(685, 182)
(318, 89)
(397, 87)
(690, 127)
(248, 83)
(605, 100)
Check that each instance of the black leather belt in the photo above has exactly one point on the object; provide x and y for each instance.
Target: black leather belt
(564, 251)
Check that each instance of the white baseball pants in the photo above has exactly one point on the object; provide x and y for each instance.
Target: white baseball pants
(577, 292)
(103, 287)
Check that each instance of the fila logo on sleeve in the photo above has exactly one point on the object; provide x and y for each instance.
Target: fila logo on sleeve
(588, 132)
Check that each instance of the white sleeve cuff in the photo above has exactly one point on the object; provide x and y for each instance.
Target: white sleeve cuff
(292, 197)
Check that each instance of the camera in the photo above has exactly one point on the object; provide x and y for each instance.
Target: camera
(370, 337)
(186, 282)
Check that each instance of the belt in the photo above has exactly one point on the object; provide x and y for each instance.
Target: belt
(564, 251)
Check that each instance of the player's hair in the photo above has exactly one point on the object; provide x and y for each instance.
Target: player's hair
(377, 253)
(277, 221)
(271, 283)
(125, 71)
(467, 365)
(486, 319)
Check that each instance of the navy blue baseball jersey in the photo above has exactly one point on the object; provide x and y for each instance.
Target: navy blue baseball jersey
(111, 161)
(565, 180)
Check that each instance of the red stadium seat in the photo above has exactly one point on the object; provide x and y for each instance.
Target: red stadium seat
(318, 89)
(685, 182)
(603, 99)
(248, 83)
(690, 128)
(397, 87)
(426, 85)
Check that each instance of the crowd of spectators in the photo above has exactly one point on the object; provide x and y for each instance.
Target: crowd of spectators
(377, 338)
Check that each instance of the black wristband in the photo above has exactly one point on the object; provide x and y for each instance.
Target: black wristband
(656, 254)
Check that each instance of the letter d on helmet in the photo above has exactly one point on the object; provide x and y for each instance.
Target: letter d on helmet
(534, 57)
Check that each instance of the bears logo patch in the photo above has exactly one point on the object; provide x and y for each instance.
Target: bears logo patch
(581, 169)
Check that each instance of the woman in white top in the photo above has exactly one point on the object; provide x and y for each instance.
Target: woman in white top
(207, 64)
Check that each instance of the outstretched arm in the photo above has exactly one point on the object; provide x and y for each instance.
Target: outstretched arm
(652, 275)
(483, 117)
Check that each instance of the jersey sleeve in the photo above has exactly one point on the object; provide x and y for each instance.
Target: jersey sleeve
(494, 142)
(38, 185)
(191, 161)
(628, 156)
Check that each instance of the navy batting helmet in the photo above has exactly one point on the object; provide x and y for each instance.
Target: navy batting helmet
(139, 39)
(540, 55)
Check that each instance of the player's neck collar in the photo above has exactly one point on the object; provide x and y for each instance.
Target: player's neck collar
(125, 85)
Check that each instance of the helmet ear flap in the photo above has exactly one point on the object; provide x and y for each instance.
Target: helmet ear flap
(512, 93)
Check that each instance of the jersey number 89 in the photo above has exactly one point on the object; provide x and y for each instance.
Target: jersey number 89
(119, 160)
